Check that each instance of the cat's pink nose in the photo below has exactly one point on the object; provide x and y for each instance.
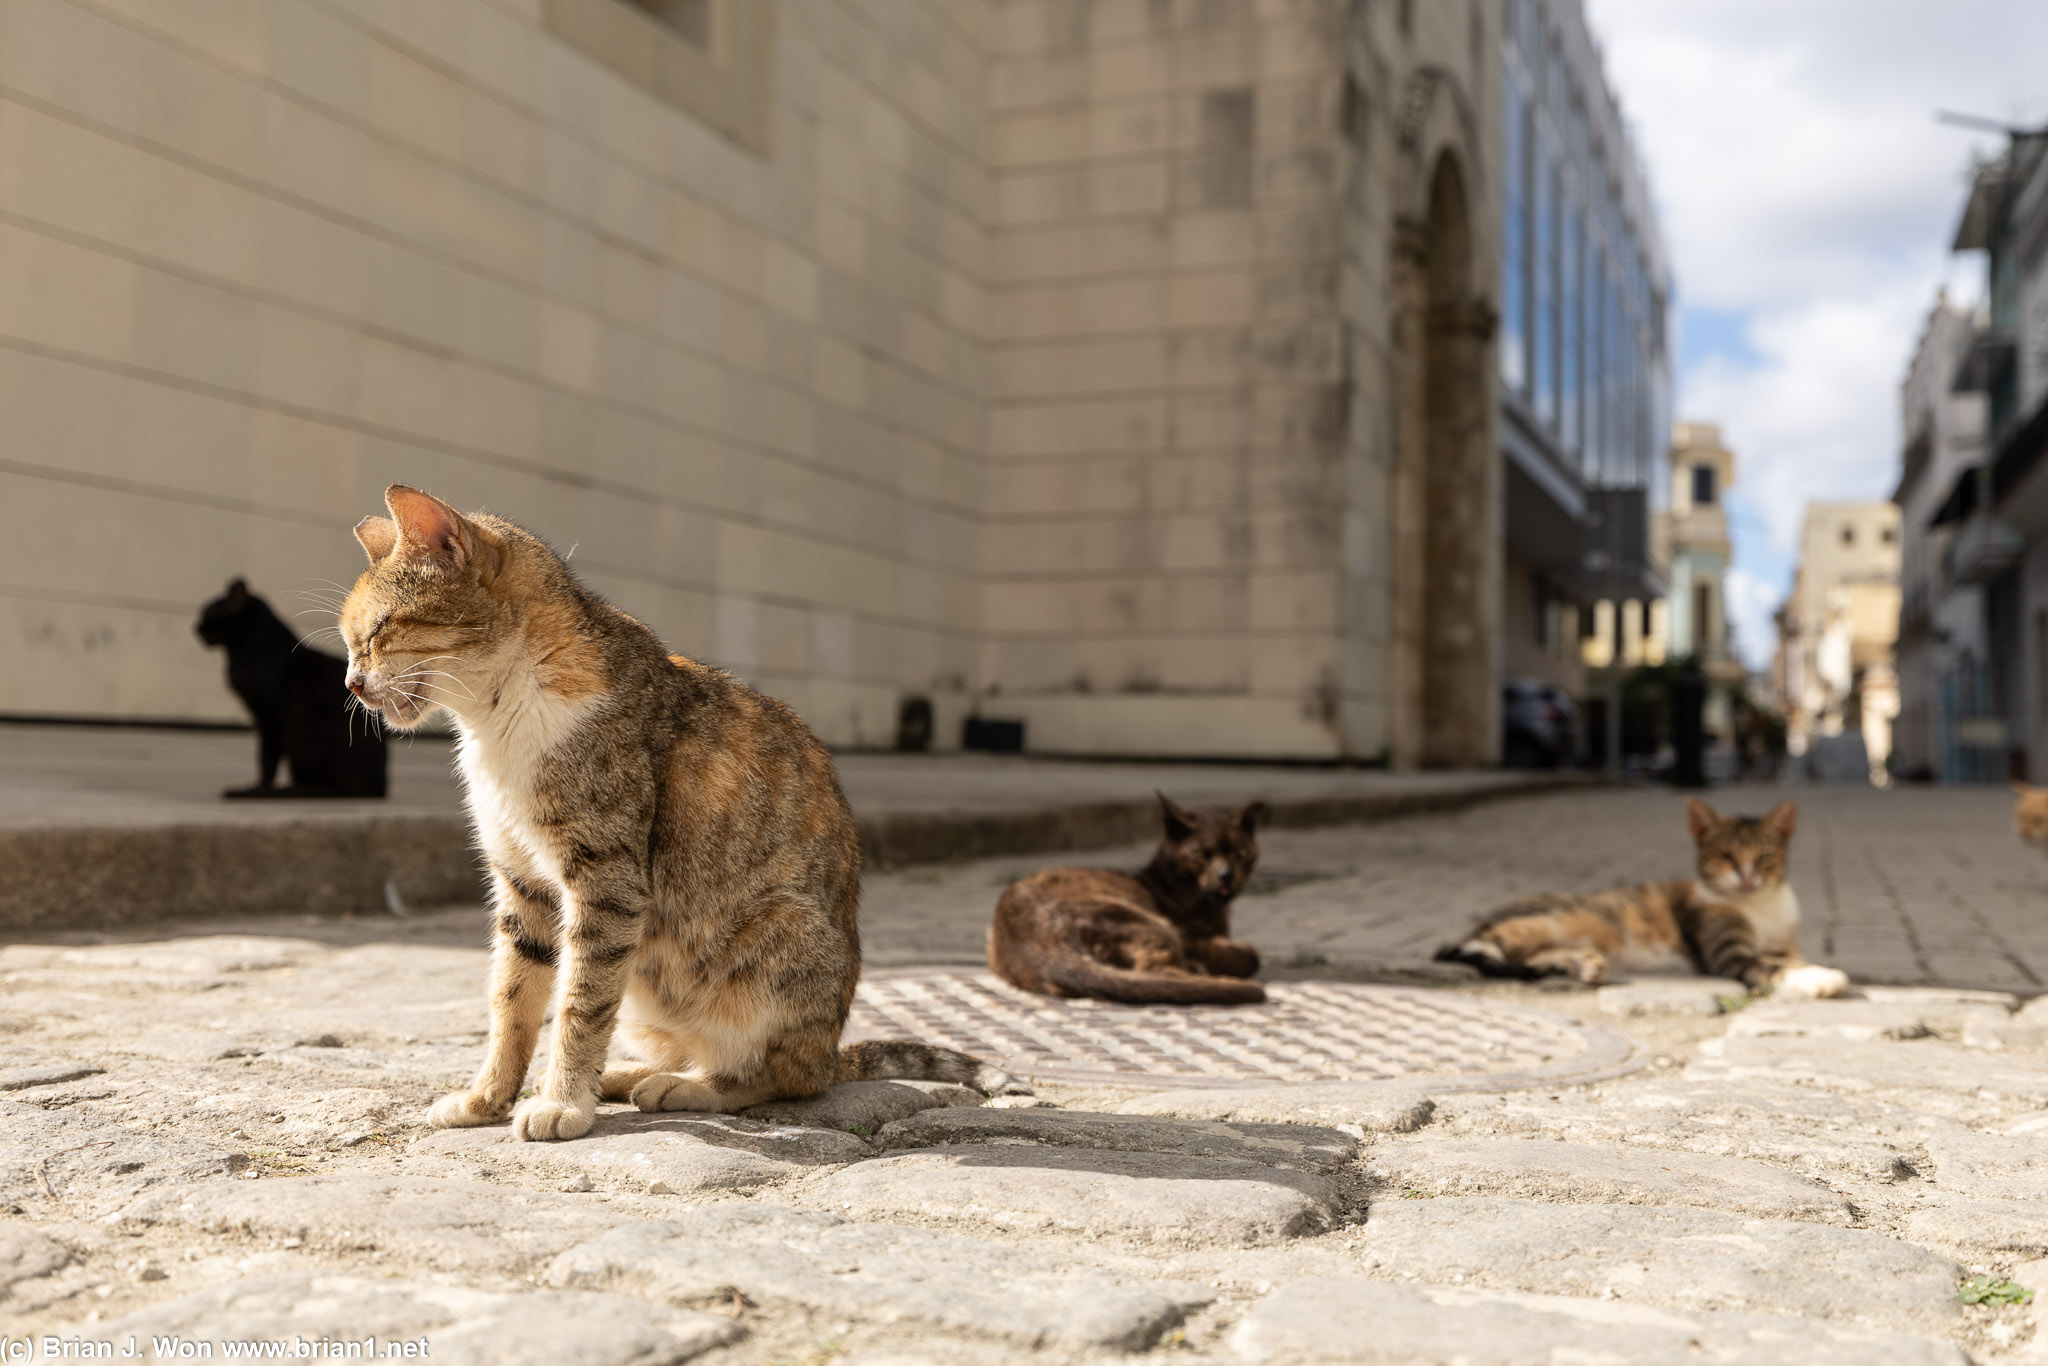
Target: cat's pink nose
(356, 681)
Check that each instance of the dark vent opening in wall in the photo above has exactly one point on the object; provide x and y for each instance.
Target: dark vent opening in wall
(691, 18)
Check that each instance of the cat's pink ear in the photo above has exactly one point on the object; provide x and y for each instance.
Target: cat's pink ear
(1700, 818)
(1180, 822)
(429, 527)
(1784, 817)
(378, 535)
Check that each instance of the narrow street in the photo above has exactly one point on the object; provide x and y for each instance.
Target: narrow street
(1914, 886)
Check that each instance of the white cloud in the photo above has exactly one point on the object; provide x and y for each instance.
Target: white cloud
(1804, 185)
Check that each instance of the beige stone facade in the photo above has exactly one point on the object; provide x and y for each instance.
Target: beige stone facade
(1081, 364)
(1839, 630)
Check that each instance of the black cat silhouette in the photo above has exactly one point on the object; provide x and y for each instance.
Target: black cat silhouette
(299, 698)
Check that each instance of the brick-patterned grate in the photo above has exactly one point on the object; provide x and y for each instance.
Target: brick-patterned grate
(1306, 1031)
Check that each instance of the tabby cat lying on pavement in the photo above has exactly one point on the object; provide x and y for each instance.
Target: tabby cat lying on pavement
(664, 840)
(1160, 937)
(1739, 918)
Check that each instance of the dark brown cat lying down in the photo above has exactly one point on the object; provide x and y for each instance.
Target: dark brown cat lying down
(1161, 937)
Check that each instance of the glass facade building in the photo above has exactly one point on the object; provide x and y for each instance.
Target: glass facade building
(1583, 283)
(1583, 354)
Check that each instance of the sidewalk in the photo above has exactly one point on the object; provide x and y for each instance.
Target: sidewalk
(121, 826)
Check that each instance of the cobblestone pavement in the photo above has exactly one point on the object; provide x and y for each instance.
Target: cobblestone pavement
(1920, 885)
(219, 1136)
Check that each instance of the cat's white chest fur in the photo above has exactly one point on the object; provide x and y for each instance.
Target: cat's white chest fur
(1774, 914)
(501, 756)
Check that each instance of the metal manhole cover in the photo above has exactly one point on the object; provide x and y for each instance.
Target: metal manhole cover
(1305, 1032)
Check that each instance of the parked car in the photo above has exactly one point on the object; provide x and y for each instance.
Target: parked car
(1539, 723)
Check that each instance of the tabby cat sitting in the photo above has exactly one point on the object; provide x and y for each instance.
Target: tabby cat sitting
(1157, 937)
(1739, 918)
(669, 851)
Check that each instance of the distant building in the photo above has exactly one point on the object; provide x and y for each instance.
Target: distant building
(1944, 681)
(1584, 358)
(1837, 633)
(1992, 515)
(1690, 544)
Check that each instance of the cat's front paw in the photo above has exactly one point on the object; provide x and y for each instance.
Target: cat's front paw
(539, 1119)
(463, 1110)
(1811, 982)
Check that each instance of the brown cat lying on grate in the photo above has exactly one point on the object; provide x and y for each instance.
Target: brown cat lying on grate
(1160, 937)
(1739, 918)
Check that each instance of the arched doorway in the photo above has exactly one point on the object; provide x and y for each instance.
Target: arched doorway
(1443, 501)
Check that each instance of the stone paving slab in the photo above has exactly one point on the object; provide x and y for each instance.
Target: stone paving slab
(1819, 1133)
(684, 1154)
(1371, 1107)
(59, 1153)
(1661, 1255)
(444, 1224)
(1979, 1228)
(50, 1074)
(836, 1265)
(26, 1255)
(1861, 1020)
(1972, 1163)
(461, 1325)
(1355, 1320)
(1598, 1172)
(1943, 1077)
(1299, 1146)
(1135, 1196)
(1702, 996)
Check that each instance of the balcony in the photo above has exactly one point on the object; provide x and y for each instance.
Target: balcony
(1983, 549)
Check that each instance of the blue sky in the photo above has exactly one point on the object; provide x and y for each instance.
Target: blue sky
(1807, 196)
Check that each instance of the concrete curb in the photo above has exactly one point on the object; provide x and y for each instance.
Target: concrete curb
(899, 839)
(116, 875)
(126, 875)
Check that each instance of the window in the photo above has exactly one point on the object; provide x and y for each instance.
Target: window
(1569, 255)
(1848, 535)
(1543, 270)
(1702, 619)
(1514, 361)
(1702, 486)
(1890, 535)
(713, 59)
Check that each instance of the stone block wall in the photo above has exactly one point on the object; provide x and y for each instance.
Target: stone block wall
(1039, 357)
(259, 258)
(1167, 362)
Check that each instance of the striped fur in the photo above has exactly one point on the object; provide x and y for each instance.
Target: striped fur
(670, 854)
(1738, 919)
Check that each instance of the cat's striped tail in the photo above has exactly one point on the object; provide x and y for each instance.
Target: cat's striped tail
(908, 1060)
(1084, 976)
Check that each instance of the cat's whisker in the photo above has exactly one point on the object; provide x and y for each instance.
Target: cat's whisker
(439, 673)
